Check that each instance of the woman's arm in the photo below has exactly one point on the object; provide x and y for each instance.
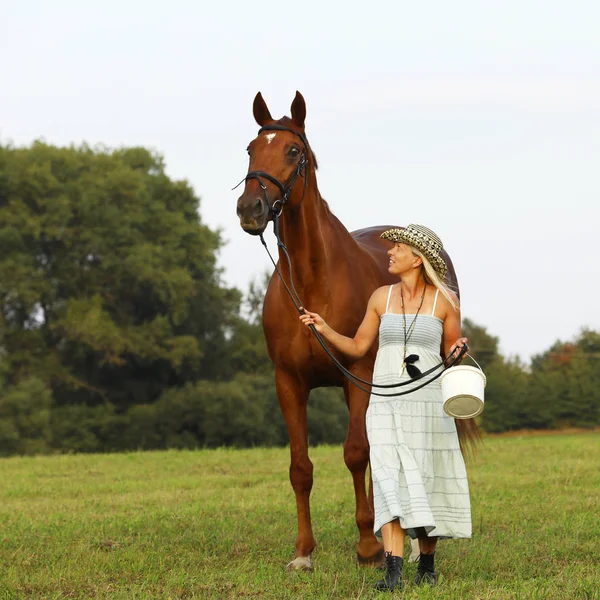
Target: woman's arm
(452, 329)
(359, 345)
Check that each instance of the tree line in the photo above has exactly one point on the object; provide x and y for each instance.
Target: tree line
(118, 333)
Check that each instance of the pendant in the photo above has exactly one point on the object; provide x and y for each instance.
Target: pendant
(411, 368)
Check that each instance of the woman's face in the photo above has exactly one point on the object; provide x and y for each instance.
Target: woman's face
(401, 259)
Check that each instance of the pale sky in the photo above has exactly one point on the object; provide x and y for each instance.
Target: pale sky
(479, 120)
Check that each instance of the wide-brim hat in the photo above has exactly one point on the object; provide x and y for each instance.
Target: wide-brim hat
(424, 240)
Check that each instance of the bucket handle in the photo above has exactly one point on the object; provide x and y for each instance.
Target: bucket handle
(467, 354)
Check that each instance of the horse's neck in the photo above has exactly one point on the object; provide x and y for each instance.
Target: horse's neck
(316, 240)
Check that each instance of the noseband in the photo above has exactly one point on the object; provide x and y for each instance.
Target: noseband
(287, 187)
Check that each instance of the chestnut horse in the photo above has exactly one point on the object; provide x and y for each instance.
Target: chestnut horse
(335, 272)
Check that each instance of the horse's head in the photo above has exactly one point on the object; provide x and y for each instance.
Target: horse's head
(279, 158)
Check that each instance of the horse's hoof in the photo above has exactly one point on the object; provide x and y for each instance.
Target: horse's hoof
(300, 563)
(376, 560)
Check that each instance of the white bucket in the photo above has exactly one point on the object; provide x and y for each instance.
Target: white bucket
(462, 390)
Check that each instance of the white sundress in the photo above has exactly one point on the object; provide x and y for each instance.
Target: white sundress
(419, 474)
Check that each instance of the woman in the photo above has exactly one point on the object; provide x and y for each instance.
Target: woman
(419, 477)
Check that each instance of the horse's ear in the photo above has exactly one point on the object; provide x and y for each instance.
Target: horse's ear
(299, 110)
(260, 110)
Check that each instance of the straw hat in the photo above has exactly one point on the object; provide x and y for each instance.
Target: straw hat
(424, 240)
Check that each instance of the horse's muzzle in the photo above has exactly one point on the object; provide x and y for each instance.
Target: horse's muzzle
(253, 213)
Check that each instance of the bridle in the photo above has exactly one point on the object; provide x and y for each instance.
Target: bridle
(285, 188)
(276, 210)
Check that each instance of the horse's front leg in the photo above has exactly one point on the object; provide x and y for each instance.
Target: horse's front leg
(293, 398)
(369, 550)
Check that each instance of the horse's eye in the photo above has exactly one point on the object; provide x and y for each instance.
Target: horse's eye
(248, 150)
(293, 152)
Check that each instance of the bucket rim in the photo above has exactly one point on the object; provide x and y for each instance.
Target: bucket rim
(458, 368)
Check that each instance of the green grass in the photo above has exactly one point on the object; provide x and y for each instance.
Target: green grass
(222, 524)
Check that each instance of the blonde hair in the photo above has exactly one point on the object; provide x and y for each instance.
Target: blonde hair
(431, 276)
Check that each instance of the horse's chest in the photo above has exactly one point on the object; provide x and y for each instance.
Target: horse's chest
(297, 350)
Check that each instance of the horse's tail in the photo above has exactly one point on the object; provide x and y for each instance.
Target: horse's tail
(469, 436)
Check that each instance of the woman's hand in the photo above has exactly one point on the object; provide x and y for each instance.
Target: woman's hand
(310, 318)
(456, 347)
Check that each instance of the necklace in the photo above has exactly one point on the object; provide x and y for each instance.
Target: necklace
(408, 361)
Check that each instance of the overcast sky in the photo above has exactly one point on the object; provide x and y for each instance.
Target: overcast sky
(477, 119)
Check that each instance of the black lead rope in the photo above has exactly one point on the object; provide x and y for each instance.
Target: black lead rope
(354, 379)
(286, 191)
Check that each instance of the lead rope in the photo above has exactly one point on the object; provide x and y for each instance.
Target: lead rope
(354, 379)
(286, 190)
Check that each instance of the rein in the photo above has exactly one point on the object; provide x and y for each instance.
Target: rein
(352, 378)
(286, 190)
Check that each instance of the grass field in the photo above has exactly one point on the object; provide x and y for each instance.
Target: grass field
(222, 524)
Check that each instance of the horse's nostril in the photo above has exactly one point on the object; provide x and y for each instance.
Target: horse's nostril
(258, 207)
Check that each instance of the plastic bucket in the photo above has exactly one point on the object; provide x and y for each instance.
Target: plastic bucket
(462, 390)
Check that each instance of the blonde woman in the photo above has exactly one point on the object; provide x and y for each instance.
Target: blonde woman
(419, 477)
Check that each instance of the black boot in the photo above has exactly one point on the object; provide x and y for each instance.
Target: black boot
(426, 574)
(393, 574)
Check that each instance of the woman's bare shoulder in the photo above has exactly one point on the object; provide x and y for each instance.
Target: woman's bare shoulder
(379, 297)
(446, 306)
(381, 292)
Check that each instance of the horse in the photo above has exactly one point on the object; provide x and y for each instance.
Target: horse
(334, 272)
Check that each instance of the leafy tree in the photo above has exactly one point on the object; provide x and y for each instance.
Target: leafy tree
(566, 381)
(246, 351)
(109, 290)
(482, 345)
(25, 418)
(506, 396)
(327, 416)
(254, 299)
(117, 333)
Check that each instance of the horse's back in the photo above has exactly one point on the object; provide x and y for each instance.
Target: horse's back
(369, 239)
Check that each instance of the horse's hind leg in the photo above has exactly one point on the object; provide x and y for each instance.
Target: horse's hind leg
(356, 455)
(414, 550)
(293, 398)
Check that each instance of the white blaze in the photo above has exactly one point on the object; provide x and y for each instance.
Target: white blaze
(270, 137)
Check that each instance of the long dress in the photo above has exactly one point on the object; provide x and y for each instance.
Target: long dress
(419, 474)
